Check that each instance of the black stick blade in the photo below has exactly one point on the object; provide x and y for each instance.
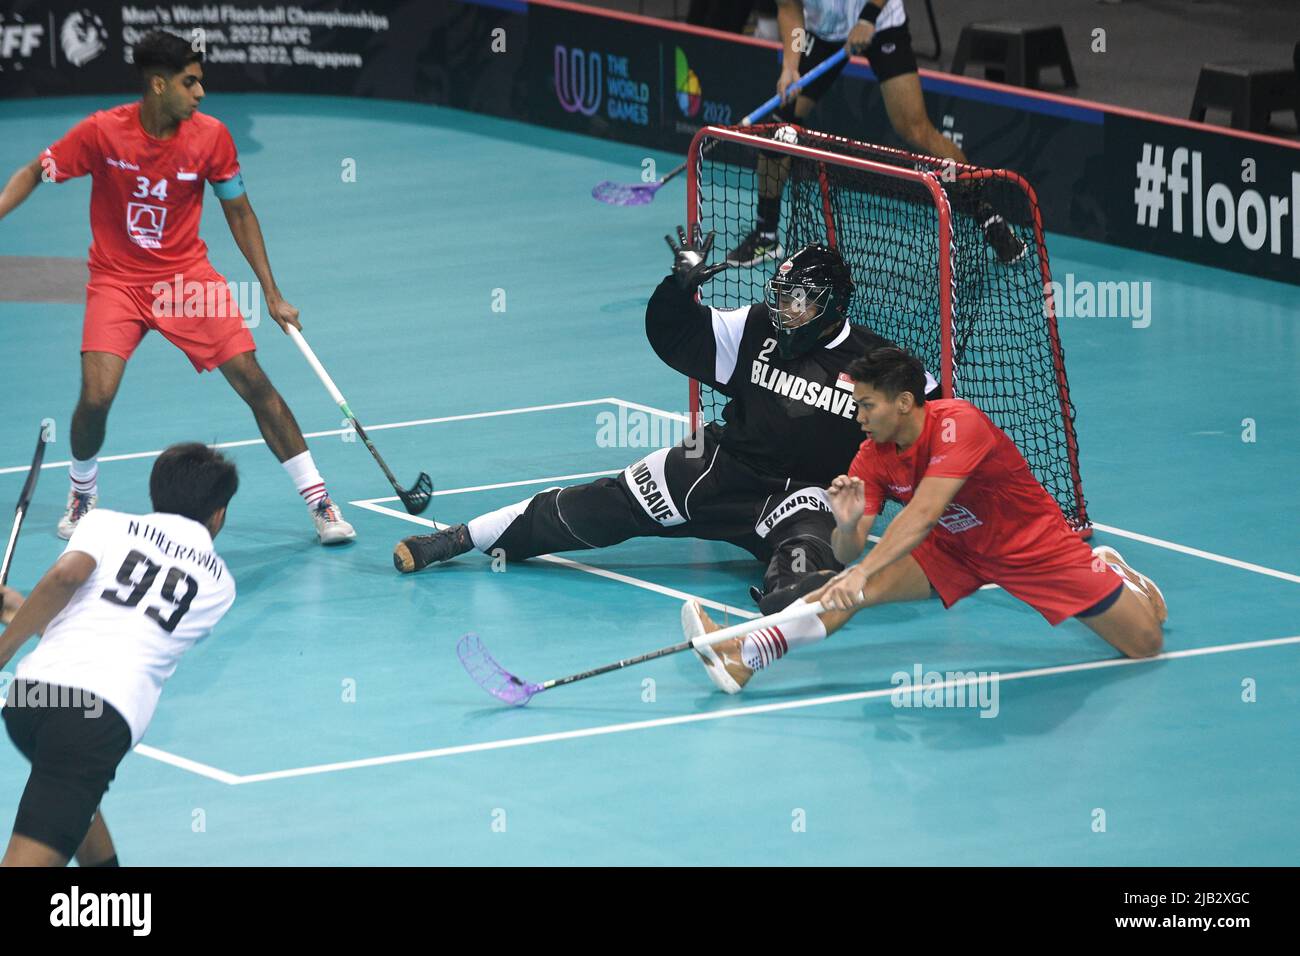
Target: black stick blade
(417, 498)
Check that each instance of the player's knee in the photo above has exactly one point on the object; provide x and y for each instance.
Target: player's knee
(95, 400)
(256, 389)
(1148, 641)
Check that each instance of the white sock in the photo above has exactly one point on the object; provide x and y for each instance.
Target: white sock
(486, 528)
(302, 470)
(760, 648)
(85, 475)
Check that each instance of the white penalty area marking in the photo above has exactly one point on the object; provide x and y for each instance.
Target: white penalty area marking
(184, 763)
(376, 506)
(651, 410)
(1198, 553)
(739, 712)
(17, 469)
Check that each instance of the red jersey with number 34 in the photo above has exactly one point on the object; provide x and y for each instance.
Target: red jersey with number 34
(147, 194)
(1000, 512)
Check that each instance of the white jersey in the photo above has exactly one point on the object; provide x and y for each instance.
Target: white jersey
(158, 588)
(833, 19)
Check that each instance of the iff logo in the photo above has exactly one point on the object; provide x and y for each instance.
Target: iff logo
(689, 92)
(577, 80)
(20, 38)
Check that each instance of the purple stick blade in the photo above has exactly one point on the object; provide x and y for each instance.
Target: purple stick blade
(632, 194)
(491, 676)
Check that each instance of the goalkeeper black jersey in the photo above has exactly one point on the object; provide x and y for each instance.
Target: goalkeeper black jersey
(786, 418)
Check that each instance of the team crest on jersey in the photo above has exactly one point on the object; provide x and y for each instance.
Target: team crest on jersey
(144, 224)
(958, 518)
(844, 382)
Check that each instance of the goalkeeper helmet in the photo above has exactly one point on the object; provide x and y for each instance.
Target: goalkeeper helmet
(808, 295)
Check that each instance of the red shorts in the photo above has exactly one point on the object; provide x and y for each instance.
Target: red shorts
(1061, 578)
(198, 315)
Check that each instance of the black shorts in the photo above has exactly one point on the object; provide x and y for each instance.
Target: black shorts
(890, 54)
(74, 742)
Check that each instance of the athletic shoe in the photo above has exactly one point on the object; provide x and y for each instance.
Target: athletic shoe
(755, 248)
(80, 504)
(1004, 242)
(721, 661)
(421, 550)
(330, 526)
(1143, 583)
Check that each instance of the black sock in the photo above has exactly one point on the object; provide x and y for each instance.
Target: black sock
(769, 214)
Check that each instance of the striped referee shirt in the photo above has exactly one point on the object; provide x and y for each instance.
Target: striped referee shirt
(833, 19)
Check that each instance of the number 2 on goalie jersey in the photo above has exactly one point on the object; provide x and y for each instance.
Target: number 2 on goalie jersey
(139, 587)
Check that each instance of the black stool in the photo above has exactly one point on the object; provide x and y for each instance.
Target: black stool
(1250, 91)
(1014, 52)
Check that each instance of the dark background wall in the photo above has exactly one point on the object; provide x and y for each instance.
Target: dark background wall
(1154, 48)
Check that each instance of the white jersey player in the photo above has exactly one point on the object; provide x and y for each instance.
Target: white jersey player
(128, 597)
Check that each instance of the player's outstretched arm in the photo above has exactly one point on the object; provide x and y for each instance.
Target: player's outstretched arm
(679, 328)
(248, 236)
(914, 522)
(50, 596)
(21, 184)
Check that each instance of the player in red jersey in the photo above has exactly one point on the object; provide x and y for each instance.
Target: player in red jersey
(973, 515)
(149, 269)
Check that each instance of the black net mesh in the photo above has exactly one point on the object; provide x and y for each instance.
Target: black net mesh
(1007, 358)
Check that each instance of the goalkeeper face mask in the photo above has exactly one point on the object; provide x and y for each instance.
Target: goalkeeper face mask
(807, 298)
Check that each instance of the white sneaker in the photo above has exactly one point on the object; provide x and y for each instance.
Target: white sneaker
(1144, 583)
(79, 505)
(721, 661)
(330, 526)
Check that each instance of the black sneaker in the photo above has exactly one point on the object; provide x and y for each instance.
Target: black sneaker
(422, 550)
(757, 247)
(999, 235)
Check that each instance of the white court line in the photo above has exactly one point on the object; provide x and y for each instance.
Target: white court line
(343, 431)
(184, 763)
(1198, 553)
(372, 505)
(1146, 539)
(739, 712)
(650, 409)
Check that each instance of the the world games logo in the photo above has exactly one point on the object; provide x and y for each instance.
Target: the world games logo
(689, 92)
(577, 80)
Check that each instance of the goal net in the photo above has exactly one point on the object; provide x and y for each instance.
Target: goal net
(912, 230)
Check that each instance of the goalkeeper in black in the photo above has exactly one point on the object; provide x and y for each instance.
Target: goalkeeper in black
(758, 479)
